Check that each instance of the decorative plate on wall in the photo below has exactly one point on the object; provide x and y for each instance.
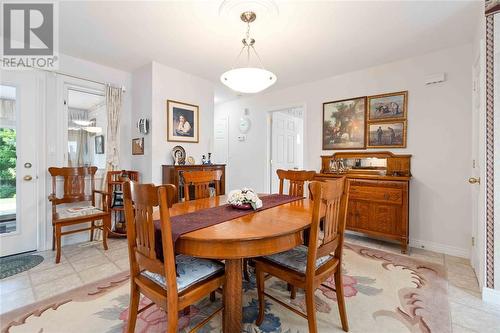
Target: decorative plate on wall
(179, 155)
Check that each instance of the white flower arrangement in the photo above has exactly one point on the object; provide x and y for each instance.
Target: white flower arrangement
(243, 197)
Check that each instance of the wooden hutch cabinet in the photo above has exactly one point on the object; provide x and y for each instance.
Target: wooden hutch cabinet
(172, 174)
(379, 192)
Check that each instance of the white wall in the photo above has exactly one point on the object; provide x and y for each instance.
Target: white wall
(438, 137)
(170, 83)
(142, 93)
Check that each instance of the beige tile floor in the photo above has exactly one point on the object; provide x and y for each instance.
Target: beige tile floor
(87, 262)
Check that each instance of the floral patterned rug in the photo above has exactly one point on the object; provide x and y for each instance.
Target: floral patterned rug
(384, 292)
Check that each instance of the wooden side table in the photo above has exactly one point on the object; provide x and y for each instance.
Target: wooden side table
(115, 180)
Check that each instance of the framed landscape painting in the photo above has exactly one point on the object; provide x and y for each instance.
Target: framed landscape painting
(385, 107)
(387, 134)
(182, 122)
(344, 124)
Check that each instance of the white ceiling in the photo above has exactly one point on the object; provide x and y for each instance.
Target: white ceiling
(309, 40)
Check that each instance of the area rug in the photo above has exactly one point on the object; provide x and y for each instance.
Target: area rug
(384, 292)
(19, 263)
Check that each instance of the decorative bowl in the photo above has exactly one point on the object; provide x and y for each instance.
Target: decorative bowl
(245, 206)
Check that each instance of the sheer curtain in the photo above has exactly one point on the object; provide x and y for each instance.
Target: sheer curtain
(8, 112)
(81, 156)
(113, 106)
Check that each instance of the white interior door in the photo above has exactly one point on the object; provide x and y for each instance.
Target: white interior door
(19, 114)
(477, 172)
(286, 143)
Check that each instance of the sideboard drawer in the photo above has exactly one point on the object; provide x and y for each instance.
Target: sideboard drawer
(380, 194)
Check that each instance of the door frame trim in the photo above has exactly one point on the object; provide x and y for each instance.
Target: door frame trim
(490, 157)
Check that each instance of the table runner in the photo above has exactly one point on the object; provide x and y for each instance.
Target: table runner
(185, 223)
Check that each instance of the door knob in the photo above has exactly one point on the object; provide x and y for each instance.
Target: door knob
(27, 178)
(474, 180)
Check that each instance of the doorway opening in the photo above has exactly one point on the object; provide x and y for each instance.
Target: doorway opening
(86, 129)
(286, 144)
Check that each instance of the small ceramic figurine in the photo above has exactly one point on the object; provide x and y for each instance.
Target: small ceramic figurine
(203, 159)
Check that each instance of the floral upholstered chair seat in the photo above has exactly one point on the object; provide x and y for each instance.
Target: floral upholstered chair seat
(190, 271)
(296, 259)
(77, 210)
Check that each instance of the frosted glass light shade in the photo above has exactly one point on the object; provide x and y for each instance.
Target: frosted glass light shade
(248, 80)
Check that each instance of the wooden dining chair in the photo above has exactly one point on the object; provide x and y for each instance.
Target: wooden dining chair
(82, 205)
(200, 181)
(174, 283)
(308, 267)
(296, 178)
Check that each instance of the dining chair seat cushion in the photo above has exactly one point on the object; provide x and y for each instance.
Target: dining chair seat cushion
(296, 259)
(190, 270)
(82, 210)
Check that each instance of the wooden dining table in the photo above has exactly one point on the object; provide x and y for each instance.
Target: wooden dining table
(257, 234)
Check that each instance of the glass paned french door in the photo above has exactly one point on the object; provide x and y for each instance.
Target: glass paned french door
(7, 159)
(20, 121)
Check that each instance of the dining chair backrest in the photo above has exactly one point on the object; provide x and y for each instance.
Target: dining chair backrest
(74, 179)
(329, 209)
(200, 181)
(297, 179)
(140, 201)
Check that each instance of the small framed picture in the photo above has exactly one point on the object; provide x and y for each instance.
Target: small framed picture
(387, 134)
(344, 124)
(138, 146)
(99, 144)
(385, 107)
(182, 122)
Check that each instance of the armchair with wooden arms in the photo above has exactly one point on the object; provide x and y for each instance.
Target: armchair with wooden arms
(82, 206)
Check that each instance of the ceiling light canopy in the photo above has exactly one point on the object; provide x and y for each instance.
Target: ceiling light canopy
(248, 79)
(265, 9)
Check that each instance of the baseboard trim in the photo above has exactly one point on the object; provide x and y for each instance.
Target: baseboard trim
(491, 296)
(436, 247)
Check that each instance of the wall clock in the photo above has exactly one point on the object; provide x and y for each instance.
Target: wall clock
(244, 125)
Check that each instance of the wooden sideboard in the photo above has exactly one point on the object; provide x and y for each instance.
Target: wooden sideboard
(379, 194)
(172, 174)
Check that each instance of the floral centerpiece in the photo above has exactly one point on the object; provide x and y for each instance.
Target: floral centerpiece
(245, 198)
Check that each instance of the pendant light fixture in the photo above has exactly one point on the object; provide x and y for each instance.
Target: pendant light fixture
(248, 79)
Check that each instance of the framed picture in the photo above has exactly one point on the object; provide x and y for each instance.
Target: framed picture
(182, 122)
(99, 144)
(387, 134)
(385, 107)
(344, 124)
(138, 146)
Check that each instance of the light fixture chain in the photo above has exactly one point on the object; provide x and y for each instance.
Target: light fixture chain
(238, 57)
(258, 57)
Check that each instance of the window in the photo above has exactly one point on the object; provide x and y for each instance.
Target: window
(87, 122)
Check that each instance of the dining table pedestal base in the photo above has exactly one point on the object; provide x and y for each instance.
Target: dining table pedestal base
(233, 293)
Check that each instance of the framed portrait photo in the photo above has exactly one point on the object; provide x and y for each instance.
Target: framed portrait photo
(138, 146)
(385, 107)
(344, 124)
(99, 144)
(386, 134)
(182, 122)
